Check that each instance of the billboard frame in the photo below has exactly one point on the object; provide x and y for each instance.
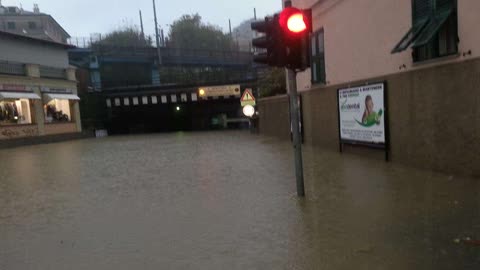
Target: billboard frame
(381, 146)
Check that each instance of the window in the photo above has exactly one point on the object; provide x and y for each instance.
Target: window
(135, 101)
(109, 103)
(173, 98)
(434, 31)
(183, 97)
(32, 25)
(126, 101)
(440, 35)
(117, 102)
(15, 112)
(154, 100)
(11, 25)
(164, 99)
(57, 110)
(318, 57)
(145, 100)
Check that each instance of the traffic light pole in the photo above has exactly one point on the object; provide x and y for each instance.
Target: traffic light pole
(297, 139)
(285, 40)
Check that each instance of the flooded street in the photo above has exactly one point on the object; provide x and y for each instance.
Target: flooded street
(227, 200)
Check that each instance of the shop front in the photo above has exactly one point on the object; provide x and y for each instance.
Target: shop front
(59, 112)
(17, 118)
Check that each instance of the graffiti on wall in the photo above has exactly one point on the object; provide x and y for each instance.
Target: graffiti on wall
(18, 132)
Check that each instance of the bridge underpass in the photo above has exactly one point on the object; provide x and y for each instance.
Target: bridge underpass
(141, 96)
(183, 109)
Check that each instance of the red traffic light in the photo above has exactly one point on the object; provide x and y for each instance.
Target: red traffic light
(296, 24)
(293, 20)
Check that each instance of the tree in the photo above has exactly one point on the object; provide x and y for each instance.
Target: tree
(189, 32)
(128, 36)
(272, 82)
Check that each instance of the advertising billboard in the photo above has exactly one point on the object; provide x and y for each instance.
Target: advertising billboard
(362, 115)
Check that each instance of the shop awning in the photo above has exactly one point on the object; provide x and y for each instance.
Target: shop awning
(49, 97)
(18, 95)
(424, 31)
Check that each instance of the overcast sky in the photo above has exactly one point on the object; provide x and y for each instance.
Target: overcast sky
(83, 17)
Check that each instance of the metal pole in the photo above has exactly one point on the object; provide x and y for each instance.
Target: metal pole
(297, 140)
(254, 32)
(162, 38)
(156, 34)
(141, 23)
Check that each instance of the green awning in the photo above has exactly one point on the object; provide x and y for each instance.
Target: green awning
(424, 31)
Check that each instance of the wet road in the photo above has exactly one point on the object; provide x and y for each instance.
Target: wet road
(226, 200)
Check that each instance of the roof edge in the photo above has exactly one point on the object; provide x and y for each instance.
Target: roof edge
(28, 38)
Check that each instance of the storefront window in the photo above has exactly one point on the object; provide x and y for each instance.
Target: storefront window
(57, 110)
(15, 112)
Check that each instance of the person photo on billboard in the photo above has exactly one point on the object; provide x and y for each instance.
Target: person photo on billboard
(370, 117)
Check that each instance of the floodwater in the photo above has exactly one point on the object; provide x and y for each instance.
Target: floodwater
(226, 200)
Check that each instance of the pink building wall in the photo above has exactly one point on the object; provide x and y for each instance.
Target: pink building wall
(360, 34)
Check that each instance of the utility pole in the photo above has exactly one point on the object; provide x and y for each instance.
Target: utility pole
(141, 23)
(230, 27)
(162, 37)
(157, 35)
(255, 14)
(294, 115)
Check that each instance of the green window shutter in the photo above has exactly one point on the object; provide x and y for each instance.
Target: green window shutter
(421, 10)
(432, 28)
(442, 5)
(410, 37)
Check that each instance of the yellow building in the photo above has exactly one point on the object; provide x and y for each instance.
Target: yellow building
(38, 88)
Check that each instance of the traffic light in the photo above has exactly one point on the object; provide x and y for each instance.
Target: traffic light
(271, 42)
(286, 39)
(296, 26)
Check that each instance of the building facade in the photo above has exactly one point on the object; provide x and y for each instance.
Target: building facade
(427, 52)
(33, 24)
(38, 88)
(357, 40)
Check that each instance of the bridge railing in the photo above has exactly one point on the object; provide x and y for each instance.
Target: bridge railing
(176, 56)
